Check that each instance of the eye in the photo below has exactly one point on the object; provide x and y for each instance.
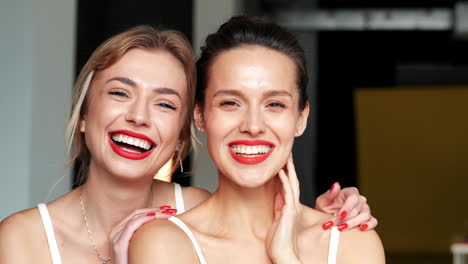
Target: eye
(167, 106)
(277, 105)
(118, 92)
(228, 103)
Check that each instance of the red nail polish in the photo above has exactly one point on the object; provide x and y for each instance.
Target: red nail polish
(364, 227)
(327, 225)
(166, 212)
(164, 207)
(172, 210)
(332, 187)
(343, 215)
(342, 227)
(151, 214)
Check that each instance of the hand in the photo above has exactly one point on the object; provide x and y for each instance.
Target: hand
(124, 230)
(281, 238)
(349, 208)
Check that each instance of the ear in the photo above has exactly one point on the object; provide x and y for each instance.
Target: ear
(198, 116)
(302, 121)
(82, 126)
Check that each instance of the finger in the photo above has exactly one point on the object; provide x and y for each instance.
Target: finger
(287, 188)
(330, 222)
(355, 221)
(369, 225)
(137, 213)
(325, 201)
(278, 205)
(351, 201)
(132, 215)
(293, 178)
(360, 207)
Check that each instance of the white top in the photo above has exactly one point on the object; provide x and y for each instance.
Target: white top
(49, 229)
(179, 198)
(332, 248)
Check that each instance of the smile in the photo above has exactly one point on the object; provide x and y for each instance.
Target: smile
(250, 152)
(131, 145)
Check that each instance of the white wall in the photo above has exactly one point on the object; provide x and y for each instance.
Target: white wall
(208, 16)
(36, 73)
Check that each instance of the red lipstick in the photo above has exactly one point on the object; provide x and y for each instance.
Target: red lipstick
(127, 154)
(254, 159)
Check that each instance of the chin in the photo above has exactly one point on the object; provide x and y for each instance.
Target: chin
(260, 179)
(129, 173)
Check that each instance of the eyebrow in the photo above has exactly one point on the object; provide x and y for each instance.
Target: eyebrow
(165, 90)
(266, 94)
(160, 90)
(124, 80)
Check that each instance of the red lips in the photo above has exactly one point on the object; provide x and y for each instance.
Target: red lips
(127, 154)
(251, 160)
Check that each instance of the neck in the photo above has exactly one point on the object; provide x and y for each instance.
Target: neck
(244, 211)
(107, 200)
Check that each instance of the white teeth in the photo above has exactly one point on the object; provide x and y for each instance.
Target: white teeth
(137, 142)
(250, 150)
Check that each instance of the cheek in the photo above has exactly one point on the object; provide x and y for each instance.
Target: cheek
(283, 126)
(219, 124)
(169, 126)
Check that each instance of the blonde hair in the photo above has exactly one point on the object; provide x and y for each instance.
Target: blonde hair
(104, 56)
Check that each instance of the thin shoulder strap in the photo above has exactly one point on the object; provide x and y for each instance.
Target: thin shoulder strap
(49, 230)
(189, 233)
(333, 247)
(179, 198)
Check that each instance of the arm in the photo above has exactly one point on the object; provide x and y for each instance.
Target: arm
(14, 240)
(356, 247)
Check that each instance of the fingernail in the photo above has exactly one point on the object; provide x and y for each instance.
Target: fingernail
(327, 225)
(343, 215)
(342, 227)
(332, 187)
(172, 210)
(151, 214)
(164, 207)
(364, 227)
(169, 212)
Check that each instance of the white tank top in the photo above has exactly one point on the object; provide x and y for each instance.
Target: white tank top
(332, 248)
(49, 229)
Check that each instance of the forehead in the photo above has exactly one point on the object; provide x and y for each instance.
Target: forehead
(154, 67)
(253, 65)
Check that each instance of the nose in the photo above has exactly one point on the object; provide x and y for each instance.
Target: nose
(253, 122)
(138, 114)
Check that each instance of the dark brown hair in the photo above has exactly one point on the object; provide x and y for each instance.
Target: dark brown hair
(243, 30)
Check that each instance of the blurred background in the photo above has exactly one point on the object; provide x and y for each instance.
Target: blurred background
(388, 92)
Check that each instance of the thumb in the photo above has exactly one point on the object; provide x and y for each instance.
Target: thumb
(278, 206)
(328, 198)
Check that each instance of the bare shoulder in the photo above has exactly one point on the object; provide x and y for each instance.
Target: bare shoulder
(194, 196)
(19, 233)
(362, 247)
(161, 241)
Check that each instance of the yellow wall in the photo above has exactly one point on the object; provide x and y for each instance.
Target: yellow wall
(413, 164)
